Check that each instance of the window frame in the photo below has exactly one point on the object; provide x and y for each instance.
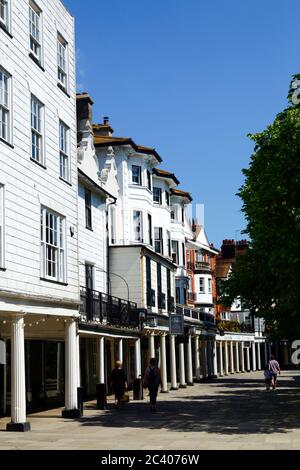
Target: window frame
(112, 225)
(139, 176)
(6, 106)
(209, 286)
(35, 37)
(37, 132)
(64, 71)
(159, 240)
(175, 252)
(169, 243)
(202, 285)
(134, 232)
(154, 189)
(88, 209)
(150, 229)
(64, 151)
(168, 202)
(5, 21)
(59, 248)
(149, 180)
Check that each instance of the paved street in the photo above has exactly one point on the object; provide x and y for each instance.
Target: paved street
(233, 412)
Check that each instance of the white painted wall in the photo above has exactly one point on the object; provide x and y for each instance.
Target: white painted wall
(28, 185)
(92, 243)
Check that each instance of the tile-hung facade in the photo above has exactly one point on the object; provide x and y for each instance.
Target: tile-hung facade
(39, 286)
(146, 258)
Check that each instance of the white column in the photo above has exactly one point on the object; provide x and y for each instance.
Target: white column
(204, 359)
(18, 387)
(248, 359)
(226, 357)
(242, 356)
(189, 362)
(138, 366)
(120, 352)
(182, 383)
(214, 359)
(197, 357)
(237, 362)
(71, 372)
(163, 364)
(253, 357)
(258, 357)
(221, 358)
(231, 358)
(151, 345)
(78, 360)
(101, 360)
(173, 363)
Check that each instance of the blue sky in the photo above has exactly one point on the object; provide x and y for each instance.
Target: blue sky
(191, 78)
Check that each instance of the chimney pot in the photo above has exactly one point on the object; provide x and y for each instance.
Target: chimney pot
(106, 120)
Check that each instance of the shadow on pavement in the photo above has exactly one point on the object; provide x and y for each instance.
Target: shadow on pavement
(228, 411)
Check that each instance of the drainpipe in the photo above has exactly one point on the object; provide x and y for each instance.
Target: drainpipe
(107, 245)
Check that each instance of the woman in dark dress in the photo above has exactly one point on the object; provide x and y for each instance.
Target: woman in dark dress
(118, 381)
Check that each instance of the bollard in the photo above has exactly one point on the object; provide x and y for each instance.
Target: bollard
(101, 396)
(138, 389)
(80, 399)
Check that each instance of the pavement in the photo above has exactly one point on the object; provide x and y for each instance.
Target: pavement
(228, 413)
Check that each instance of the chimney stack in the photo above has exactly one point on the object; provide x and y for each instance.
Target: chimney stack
(84, 107)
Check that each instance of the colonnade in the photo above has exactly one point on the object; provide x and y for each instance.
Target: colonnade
(183, 364)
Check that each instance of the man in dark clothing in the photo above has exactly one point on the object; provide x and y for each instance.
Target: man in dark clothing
(118, 382)
(152, 380)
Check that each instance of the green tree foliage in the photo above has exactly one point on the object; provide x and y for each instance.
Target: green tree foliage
(267, 277)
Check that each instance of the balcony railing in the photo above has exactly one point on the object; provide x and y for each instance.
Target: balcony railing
(202, 266)
(206, 318)
(102, 308)
(234, 326)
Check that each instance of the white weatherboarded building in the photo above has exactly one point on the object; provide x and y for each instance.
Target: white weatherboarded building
(39, 286)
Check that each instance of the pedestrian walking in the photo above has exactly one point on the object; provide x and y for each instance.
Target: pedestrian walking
(274, 369)
(267, 376)
(152, 380)
(118, 382)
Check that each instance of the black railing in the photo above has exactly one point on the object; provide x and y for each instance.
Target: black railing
(102, 308)
(206, 318)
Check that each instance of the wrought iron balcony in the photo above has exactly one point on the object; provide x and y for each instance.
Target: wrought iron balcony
(206, 318)
(202, 266)
(103, 308)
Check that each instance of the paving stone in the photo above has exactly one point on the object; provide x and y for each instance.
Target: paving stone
(233, 412)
